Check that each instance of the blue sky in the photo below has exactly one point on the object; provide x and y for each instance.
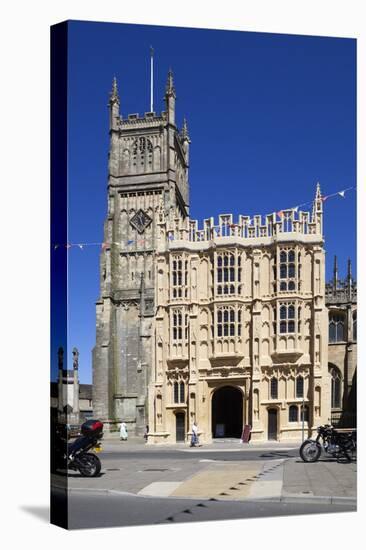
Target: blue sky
(269, 115)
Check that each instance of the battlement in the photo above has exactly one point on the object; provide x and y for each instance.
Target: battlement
(148, 119)
(290, 222)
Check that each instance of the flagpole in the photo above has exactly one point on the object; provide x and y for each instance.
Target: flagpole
(151, 79)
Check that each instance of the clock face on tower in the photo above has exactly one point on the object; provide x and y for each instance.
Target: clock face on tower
(140, 221)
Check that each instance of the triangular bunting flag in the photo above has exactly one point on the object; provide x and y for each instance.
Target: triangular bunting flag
(341, 194)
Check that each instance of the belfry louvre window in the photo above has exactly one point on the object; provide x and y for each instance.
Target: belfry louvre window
(228, 322)
(336, 327)
(287, 318)
(179, 277)
(287, 270)
(228, 273)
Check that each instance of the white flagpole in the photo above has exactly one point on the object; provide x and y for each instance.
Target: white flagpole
(151, 79)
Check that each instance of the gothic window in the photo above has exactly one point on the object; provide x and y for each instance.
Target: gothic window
(300, 386)
(274, 388)
(228, 272)
(336, 327)
(354, 327)
(176, 392)
(335, 388)
(274, 322)
(142, 148)
(287, 270)
(226, 322)
(177, 325)
(179, 277)
(179, 392)
(287, 318)
(293, 413)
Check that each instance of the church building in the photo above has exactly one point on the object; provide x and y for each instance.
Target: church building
(224, 324)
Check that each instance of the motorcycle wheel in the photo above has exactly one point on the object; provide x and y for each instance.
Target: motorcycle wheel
(89, 465)
(310, 451)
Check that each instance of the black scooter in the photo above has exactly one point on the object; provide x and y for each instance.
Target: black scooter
(76, 455)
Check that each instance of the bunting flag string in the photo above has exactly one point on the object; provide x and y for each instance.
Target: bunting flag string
(129, 242)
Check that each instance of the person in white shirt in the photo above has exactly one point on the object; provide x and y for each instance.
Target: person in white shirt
(123, 432)
(194, 439)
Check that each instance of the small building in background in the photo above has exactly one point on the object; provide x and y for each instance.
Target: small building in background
(341, 301)
(71, 402)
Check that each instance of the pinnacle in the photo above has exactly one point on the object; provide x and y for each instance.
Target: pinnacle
(184, 132)
(113, 97)
(318, 191)
(170, 90)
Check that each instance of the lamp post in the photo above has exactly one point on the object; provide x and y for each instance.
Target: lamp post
(303, 418)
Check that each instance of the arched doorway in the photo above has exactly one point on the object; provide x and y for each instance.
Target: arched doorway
(227, 412)
(272, 424)
(180, 428)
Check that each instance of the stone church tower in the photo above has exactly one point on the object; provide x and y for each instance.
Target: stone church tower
(147, 182)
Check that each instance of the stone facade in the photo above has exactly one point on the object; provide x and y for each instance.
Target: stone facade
(341, 300)
(241, 327)
(224, 325)
(148, 178)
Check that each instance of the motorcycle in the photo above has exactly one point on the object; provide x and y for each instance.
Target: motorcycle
(341, 445)
(76, 455)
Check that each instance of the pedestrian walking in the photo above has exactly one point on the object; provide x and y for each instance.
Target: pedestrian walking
(194, 438)
(146, 434)
(123, 432)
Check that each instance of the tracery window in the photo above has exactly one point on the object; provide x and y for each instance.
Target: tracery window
(336, 383)
(287, 271)
(228, 272)
(142, 149)
(180, 325)
(336, 327)
(228, 321)
(287, 318)
(300, 386)
(177, 328)
(274, 388)
(179, 277)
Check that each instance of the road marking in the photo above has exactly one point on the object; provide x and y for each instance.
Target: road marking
(160, 488)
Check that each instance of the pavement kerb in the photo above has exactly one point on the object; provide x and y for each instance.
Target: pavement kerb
(286, 499)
